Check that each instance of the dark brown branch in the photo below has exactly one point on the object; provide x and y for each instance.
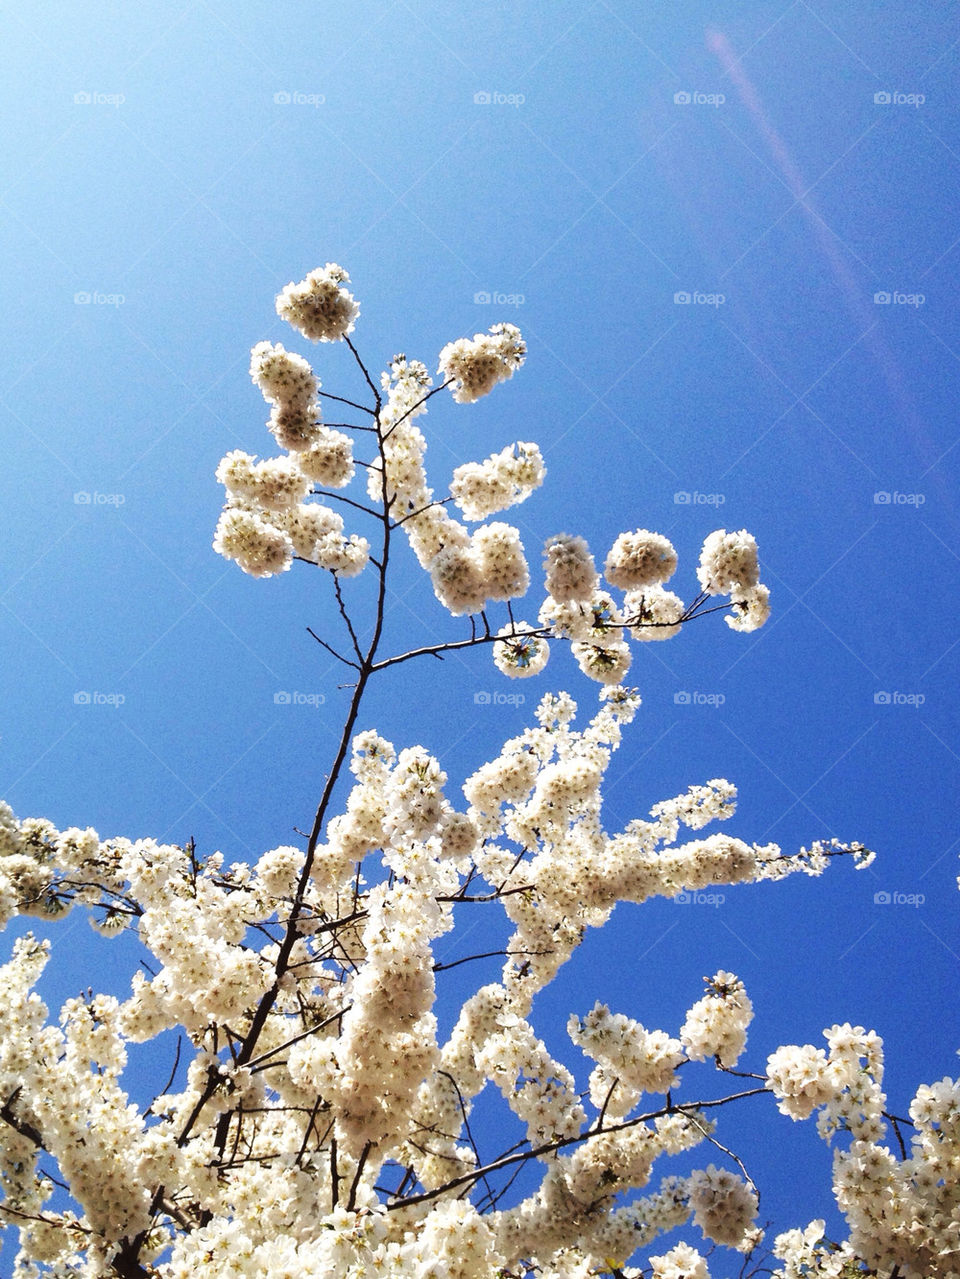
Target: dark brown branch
(346, 617)
(334, 1175)
(259, 1063)
(20, 1125)
(355, 1184)
(362, 408)
(548, 1147)
(487, 954)
(413, 407)
(166, 1088)
(378, 399)
(348, 501)
(339, 656)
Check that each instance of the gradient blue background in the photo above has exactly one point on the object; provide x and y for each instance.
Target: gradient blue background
(786, 409)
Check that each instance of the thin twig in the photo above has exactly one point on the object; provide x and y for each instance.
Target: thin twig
(561, 1143)
(346, 617)
(353, 404)
(339, 656)
(355, 1184)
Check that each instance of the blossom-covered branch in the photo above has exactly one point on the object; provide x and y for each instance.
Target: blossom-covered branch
(315, 1121)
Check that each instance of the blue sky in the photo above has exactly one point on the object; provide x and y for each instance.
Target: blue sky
(788, 166)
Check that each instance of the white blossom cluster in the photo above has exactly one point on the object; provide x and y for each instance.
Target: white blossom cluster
(267, 519)
(319, 306)
(579, 609)
(317, 1119)
(716, 1025)
(278, 1165)
(630, 1060)
(903, 1213)
(475, 365)
(467, 570)
(483, 488)
(728, 566)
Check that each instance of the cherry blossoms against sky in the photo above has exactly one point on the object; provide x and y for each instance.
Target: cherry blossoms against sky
(728, 242)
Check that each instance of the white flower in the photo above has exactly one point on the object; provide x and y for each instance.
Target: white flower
(328, 458)
(344, 556)
(724, 1206)
(260, 549)
(728, 563)
(608, 664)
(505, 479)
(295, 425)
(640, 558)
(273, 484)
(570, 571)
(476, 366)
(282, 376)
(801, 1079)
(458, 580)
(522, 654)
(681, 1262)
(501, 561)
(751, 609)
(654, 612)
(306, 524)
(596, 620)
(716, 1026)
(319, 306)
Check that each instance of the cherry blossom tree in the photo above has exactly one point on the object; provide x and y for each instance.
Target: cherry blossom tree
(314, 1122)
